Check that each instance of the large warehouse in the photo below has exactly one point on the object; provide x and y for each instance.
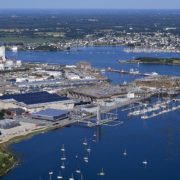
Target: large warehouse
(51, 114)
(8, 123)
(34, 102)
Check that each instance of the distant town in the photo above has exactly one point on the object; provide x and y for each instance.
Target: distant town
(133, 42)
(122, 29)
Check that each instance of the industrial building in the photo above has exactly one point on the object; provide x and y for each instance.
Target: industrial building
(169, 82)
(34, 102)
(8, 123)
(51, 114)
(2, 54)
(6, 64)
(84, 65)
(99, 92)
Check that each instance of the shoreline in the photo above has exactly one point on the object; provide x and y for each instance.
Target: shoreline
(5, 150)
(153, 63)
(140, 50)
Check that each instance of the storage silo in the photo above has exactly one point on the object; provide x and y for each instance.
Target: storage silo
(2, 54)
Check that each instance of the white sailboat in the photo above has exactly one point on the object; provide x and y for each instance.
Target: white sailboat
(86, 159)
(88, 149)
(78, 171)
(102, 173)
(125, 153)
(50, 175)
(59, 176)
(85, 142)
(63, 158)
(71, 178)
(145, 163)
(63, 166)
(63, 148)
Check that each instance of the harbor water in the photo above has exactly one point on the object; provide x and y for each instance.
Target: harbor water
(155, 141)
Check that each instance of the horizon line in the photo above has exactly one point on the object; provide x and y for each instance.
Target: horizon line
(34, 8)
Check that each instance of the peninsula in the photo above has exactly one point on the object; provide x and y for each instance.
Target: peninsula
(154, 60)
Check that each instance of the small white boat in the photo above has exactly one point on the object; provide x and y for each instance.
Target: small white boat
(86, 159)
(78, 171)
(71, 178)
(144, 117)
(88, 149)
(50, 173)
(101, 173)
(63, 166)
(62, 148)
(125, 153)
(59, 176)
(85, 142)
(145, 162)
(63, 158)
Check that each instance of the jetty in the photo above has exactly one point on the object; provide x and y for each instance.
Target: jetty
(131, 72)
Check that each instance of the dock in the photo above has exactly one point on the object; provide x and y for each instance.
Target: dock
(131, 72)
(160, 113)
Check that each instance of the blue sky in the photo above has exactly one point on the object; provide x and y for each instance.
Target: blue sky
(90, 4)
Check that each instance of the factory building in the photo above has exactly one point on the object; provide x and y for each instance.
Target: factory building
(84, 65)
(99, 92)
(2, 54)
(51, 114)
(8, 124)
(34, 102)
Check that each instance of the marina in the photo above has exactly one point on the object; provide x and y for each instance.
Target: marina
(155, 109)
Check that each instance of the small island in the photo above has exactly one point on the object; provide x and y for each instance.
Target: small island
(154, 60)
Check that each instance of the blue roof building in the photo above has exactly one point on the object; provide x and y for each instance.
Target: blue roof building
(36, 101)
(34, 98)
(51, 114)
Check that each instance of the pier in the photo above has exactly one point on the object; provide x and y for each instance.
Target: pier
(131, 72)
(100, 120)
(160, 113)
(153, 110)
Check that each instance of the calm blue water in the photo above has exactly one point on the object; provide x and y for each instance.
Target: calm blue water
(156, 140)
(101, 57)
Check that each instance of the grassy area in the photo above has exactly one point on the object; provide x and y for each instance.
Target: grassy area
(174, 61)
(7, 160)
(26, 39)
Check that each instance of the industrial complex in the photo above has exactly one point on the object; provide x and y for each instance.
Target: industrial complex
(36, 101)
(39, 96)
